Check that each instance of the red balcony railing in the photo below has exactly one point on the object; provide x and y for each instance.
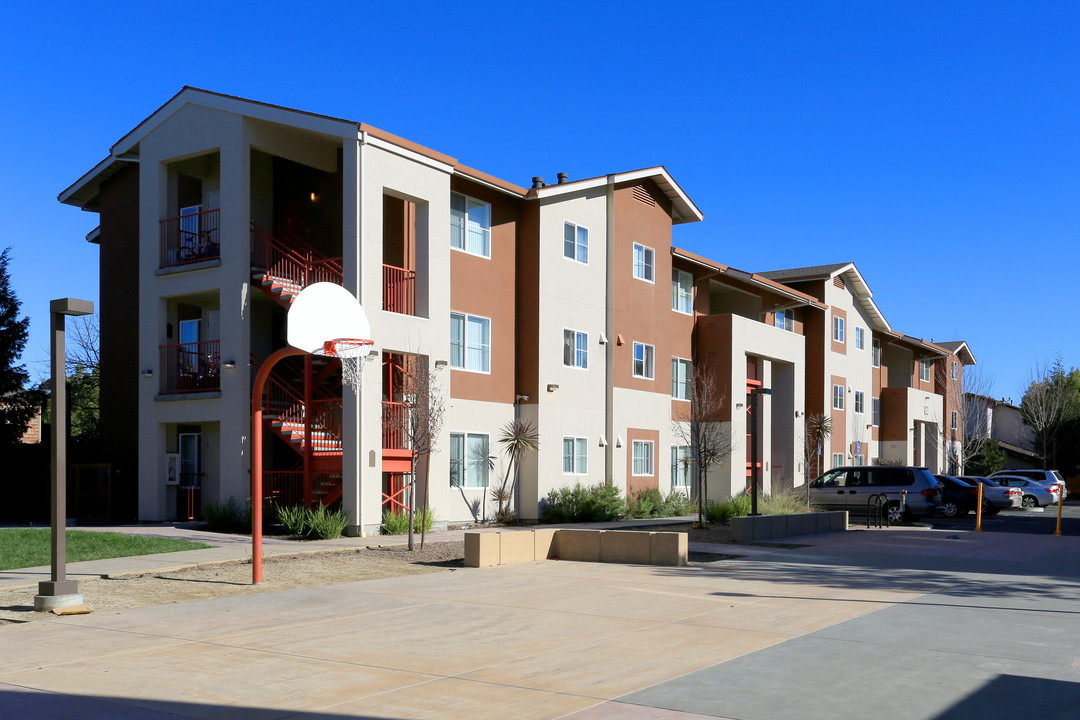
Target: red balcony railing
(395, 417)
(399, 290)
(190, 238)
(191, 367)
(297, 265)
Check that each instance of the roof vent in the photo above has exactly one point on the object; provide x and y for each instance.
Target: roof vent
(562, 178)
(538, 182)
(838, 282)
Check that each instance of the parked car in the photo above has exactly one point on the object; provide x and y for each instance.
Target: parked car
(910, 491)
(957, 497)
(996, 497)
(1043, 476)
(1035, 493)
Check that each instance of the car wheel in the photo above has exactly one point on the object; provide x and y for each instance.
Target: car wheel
(895, 514)
(989, 509)
(1030, 501)
(950, 510)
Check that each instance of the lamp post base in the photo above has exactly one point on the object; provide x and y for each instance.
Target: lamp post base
(54, 594)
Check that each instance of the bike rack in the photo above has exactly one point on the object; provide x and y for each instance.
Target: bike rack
(876, 509)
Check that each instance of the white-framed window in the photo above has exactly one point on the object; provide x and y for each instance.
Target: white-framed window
(644, 357)
(875, 411)
(643, 457)
(575, 349)
(838, 329)
(680, 378)
(470, 342)
(643, 262)
(785, 320)
(469, 463)
(575, 243)
(681, 460)
(859, 460)
(924, 370)
(859, 402)
(838, 397)
(575, 455)
(952, 420)
(682, 291)
(470, 225)
(955, 370)
(860, 343)
(838, 460)
(875, 352)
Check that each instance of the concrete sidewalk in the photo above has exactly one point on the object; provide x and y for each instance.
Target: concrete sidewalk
(899, 624)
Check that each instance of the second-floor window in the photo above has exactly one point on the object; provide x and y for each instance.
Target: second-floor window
(860, 343)
(875, 411)
(575, 243)
(859, 402)
(924, 370)
(470, 225)
(785, 320)
(644, 361)
(680, 379)
(838, 397)
(470, 342)
(955, 371)
(575, 349)
(643, 262)
(875, 352)
(952, 420)
(682, 291)
(838, 329)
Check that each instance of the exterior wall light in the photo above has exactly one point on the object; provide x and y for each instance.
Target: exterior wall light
(440, 364)
(230, 364)
(149, 373)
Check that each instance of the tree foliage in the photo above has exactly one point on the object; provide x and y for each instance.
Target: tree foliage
(18, 404)
(518, 439)
(1050, 405)
(988, 457)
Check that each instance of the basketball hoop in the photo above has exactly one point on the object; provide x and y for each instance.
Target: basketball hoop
(352, 353)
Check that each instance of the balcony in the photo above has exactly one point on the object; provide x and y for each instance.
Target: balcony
(190, 238)
(191, 367)
(399, 290)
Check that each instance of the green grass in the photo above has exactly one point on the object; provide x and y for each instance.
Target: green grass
(29, 547)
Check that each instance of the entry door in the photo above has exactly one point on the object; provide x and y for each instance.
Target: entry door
(188, 500)
(189, 352)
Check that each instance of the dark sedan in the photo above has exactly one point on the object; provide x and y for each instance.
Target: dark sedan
(957, 497)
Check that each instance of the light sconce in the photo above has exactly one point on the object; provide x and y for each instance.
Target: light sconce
(552, 388)
(314, 197)
(603, 339)
(440, 364)
(371, 354)
(618, 441)
(147, 373)
(230, 364)
(603, 441)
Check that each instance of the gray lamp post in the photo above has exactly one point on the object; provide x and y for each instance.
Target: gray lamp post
(755, 439)
(59, 591)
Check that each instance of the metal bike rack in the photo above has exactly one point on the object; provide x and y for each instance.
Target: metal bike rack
(876, 509)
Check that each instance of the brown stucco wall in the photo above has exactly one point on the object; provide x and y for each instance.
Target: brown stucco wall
(894, 414)
(527, 302)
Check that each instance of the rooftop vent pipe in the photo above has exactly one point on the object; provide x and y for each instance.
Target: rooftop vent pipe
(562, 178)
(538, 182)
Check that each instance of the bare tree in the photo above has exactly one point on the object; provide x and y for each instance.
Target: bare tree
(701, 429)
(1049, 402)
(967, 398)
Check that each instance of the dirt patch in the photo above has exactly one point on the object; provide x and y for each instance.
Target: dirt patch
(280, 572)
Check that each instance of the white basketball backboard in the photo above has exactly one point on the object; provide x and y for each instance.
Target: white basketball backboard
(325, 311)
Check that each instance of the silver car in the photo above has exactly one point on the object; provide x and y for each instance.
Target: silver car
(1044, 477)
(1035, 493)
(909, 491)
(996, 497)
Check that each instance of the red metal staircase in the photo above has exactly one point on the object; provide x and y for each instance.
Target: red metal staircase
(283, 264)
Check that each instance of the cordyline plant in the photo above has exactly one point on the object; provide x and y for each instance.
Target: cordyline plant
(518, 439)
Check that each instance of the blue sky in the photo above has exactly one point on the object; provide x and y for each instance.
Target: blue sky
(934, 144)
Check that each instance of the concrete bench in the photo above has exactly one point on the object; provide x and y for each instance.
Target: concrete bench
(635, 547)
(769, 527)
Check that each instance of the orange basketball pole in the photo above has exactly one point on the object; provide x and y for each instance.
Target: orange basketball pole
(256, 458)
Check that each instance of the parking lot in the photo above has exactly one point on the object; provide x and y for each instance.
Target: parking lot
(1034, 521)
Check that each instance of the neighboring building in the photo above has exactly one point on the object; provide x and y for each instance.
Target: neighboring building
(1002, 421)
(33, 430)
(564, 304)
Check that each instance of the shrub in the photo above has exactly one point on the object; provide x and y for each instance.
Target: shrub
(294, 519)
(645, 503)
(786, 503)
(397, 523)
(225, 517)
(585, 504)
(677, 503)
(321, 523)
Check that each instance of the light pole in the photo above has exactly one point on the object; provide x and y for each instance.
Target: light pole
(755, 473)
(59, 591)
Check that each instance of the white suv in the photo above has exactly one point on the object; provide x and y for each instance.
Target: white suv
(1043, 477)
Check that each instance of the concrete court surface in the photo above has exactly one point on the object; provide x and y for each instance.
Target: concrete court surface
(899, 623)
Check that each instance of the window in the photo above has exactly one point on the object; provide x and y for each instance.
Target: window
(859, 460)
(576, 243)
(575, 349)
(952, 420)
(681, 459)
(875, 411)
(838, 329)
(643, 361)
(682, 291)
(924, 370)
(468, 460)
(470, 342)
(680, 379)
(643, 457)
(838, 397)
(837, 460)
(785, 320)
(859, 343)
(575, 455)
(470, 225)
(643, 263)
(875, 352)
(859, 402)
(955, 370)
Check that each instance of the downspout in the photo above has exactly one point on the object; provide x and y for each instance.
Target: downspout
(609, 330)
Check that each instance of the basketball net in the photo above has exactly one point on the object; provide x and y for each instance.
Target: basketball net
(352, 353)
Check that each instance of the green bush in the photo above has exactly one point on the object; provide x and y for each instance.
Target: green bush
(226, 517)
(677, 503)
(398, 523)
(319, 524)
(786, 503)
(595, 503)
(294, 519)
(645, 503)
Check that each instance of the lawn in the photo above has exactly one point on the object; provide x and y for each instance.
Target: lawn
(29, 547)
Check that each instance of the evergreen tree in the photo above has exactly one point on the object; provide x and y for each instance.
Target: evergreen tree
(17, 404)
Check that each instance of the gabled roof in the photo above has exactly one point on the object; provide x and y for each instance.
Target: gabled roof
(924, 348)
(683, 208)
(721, 270)
(961, 350)
(864, 296)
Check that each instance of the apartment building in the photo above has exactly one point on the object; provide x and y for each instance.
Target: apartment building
(563, 304)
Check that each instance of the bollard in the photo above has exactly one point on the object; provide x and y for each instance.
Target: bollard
(1061, 502)
(978, 509)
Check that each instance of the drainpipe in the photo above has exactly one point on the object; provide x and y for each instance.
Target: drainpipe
(609, 328)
